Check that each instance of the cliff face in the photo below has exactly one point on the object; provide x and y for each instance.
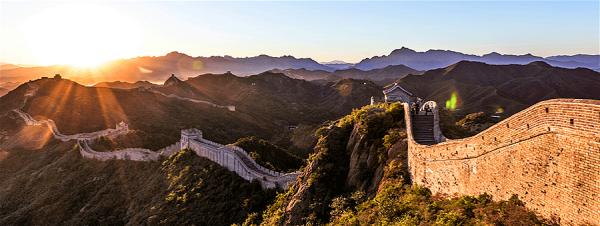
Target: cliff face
(350, 156)
(364, 169)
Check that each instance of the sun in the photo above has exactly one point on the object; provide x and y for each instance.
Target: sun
(81, 35)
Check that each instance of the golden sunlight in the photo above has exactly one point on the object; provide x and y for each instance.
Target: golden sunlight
(81, 35)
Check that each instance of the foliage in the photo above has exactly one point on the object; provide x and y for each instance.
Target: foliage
(269, 155)
(393, 136)
(449, 127)
(56, 186)
(199, 186)
(467, 126)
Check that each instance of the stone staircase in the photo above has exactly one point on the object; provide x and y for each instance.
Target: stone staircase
(423, 129)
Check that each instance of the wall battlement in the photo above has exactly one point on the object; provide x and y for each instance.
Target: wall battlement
(547, 154)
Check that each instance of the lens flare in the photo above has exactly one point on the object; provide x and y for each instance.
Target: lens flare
(451, 103)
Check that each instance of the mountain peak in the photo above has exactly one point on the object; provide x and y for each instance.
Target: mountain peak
(172, 80)
(492, 54)
(176, 54)
(540, 64)
(402, 50)
(335, 62)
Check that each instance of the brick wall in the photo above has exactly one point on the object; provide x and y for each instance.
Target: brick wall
(547, 154)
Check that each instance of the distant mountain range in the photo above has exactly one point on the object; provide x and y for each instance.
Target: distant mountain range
(4, 66)
(5, 87)
(380, 76)
(338, 64)
(502, 88)
(157, 69)
(432, 59)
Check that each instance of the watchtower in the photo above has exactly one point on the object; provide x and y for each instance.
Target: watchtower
(189, 134)
(396, 93)
(122, 126)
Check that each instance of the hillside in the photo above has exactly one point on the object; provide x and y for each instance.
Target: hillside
(74, 190)
(56, 186)
(125, 85)
(6, 87)
(433, 59)
(502, 88)
(8, 66)
(380, 76)
(265, 105)
(3, 91)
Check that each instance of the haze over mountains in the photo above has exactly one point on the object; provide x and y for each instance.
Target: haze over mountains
(432, 59)
(157, 69)
(380, 76)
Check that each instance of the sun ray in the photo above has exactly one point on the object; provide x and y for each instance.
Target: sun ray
(110, 108)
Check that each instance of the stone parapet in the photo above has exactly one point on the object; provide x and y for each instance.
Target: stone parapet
(547, 154)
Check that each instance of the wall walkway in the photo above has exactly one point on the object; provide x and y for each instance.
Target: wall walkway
(547, 154)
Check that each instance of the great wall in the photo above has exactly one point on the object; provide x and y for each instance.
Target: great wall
(547, 154)
(228, 107)
(231, 157)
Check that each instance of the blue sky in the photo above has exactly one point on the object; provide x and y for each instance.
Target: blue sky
(325, 31)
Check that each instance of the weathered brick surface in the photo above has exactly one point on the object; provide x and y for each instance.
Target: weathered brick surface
(548, 154)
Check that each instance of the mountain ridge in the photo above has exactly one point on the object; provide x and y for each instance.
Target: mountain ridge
(432, 59)
(155, 68)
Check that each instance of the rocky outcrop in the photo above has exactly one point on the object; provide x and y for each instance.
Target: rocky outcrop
(364, 169)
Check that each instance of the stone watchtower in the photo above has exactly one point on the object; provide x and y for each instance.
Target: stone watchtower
(396, 93)
(189, 134)
(122, 126)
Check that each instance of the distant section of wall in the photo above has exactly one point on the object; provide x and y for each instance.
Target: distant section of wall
(236, 160)
(120, 128)
(231, 157)
(134, 154)
(547, 154)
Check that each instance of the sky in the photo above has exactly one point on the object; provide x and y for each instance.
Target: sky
(52, 33)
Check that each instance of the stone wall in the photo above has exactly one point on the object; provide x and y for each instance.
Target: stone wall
(121, 128)
(547, 154)
(237, 160)
(133, 154)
